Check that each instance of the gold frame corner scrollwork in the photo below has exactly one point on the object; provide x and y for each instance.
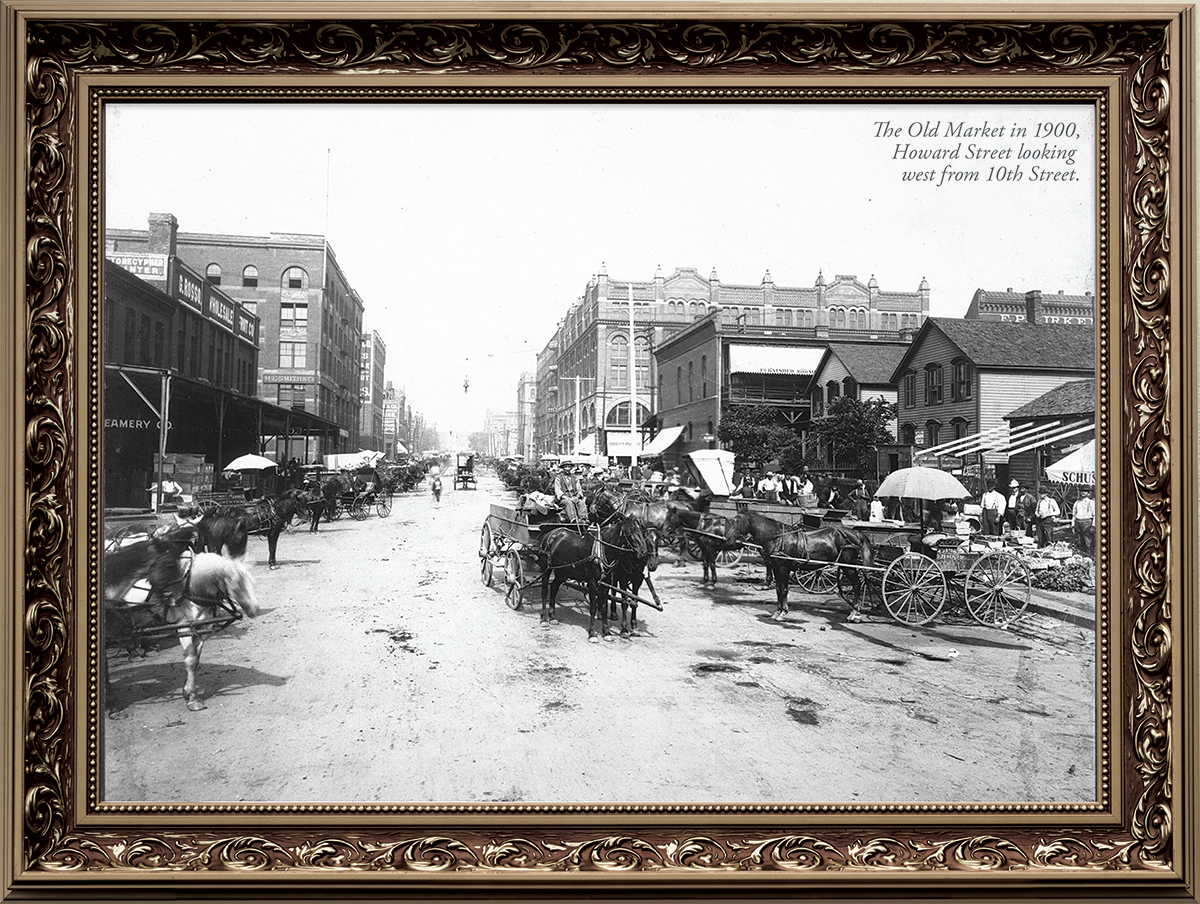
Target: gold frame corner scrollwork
(1136, 50)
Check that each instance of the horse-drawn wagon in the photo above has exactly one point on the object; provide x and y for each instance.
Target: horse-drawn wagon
(464, 473)
(512, 540)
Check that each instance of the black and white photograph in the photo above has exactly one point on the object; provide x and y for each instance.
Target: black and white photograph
(608, 453)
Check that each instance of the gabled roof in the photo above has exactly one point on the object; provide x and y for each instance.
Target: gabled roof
(1076, 397)
(869, 365)
(996, 345)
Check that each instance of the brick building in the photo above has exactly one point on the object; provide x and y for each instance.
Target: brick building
(310, 317)
(372, 357)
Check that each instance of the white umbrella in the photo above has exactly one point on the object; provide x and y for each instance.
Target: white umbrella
(922, 483)
(249, 463)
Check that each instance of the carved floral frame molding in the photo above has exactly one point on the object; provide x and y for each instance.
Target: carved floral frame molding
(1141, 844)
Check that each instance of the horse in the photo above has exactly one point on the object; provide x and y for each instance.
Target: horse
(564, 553)
(661, 515)
(228, 529)
(632, 557)
(186, 591)
(706, 534)
(782, 546)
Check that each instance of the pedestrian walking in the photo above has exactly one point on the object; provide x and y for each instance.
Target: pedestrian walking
(1047, 510)
(435, 487)
(993, 511)
(1084, 522)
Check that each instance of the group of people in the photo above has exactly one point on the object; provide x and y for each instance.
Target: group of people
(1035, 516)
(773, 486)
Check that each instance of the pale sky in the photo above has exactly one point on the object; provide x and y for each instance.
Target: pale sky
(468, 229)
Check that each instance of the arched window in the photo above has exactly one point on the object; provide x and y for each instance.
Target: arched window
(839, 319)
(679, 385)
(779, 316)
(250, 276)
(910, 389)
(933, 384)
(294, 278)
(933, 433)
(689, 432)
(831, 391)
(618, 416)
(960, 386)
(818, 402)
(849, 388)
(704, 378)
(787, 317)
(908, 434)
(618, 362)
(691, 381)
(959, 426)
(213, 274)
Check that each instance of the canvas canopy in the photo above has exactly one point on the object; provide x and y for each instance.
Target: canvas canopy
(715, 467)
(351, 461)
(774, 359)
(1079, 467)
(663, 441)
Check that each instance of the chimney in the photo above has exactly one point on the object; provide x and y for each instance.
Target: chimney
(1033, 306)
(163, 227)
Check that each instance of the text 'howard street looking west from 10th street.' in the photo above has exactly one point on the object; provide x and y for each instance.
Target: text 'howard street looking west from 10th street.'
(1035, 145)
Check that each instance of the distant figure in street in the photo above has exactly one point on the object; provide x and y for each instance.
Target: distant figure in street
(1047, 510)
(316, 502)
(435, 486)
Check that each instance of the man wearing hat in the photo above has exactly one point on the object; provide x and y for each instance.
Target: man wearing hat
(993, 511)
(860, 502)
(1047, 510)
(569, 495)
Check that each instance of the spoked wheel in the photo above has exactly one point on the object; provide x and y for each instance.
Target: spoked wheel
(998, 587)
(485, 540)
(486, 570)
(383, 504)
(820, 580)
(914, 589)
(360, 508)
(868, 583)
(729, 556)
(333, 510)
(514, 577)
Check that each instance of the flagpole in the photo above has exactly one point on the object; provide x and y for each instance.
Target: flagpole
(633, 443)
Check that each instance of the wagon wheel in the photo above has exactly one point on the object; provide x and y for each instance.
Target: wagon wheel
(997, 588)
(729, 556)
(360, 508)
(384, 504)
(515, 579)
(869, 581)
(333, 509)
(485, 540)
(914, 589)
(486, 570)
(819, 580)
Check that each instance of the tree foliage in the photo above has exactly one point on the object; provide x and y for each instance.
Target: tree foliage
(753, 433)
(855, 429)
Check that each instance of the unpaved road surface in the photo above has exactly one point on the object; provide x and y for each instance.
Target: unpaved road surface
(383, 671)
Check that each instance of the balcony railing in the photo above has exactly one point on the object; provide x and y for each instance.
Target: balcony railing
(758, 395)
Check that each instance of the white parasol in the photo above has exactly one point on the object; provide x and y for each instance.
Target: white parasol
(922, 483)
(249, 463)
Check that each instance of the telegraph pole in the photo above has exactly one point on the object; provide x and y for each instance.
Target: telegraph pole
(633, 444)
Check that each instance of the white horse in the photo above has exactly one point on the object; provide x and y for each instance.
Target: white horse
(210, 591)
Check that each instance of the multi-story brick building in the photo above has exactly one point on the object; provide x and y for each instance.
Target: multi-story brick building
(766, 348)
(1009, 307)
(310, 316)
(371, 391)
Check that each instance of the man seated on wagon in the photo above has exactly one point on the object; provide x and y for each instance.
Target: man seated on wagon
(569, 495)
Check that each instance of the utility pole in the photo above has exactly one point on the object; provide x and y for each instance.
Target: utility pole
(633, 444)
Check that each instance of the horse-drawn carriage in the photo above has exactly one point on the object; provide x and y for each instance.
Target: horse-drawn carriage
(526, 544)
(464, 474)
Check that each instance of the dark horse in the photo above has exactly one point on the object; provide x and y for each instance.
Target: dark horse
(661, 515)
(587, 560)
(705, 533)
(227, 530)
(631, 562)
(185, 594)
(786, 549)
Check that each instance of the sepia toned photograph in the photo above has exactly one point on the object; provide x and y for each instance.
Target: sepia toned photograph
(761, 471)
(544, 450)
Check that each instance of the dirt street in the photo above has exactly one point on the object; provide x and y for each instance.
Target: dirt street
(382, 670)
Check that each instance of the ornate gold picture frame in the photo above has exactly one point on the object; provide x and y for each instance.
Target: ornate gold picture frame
(62, 62)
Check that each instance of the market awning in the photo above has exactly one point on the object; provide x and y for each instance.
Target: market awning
(1079, 467)
(715, 467)
(1007, 440)
(664, 440)
(774, 359)
(586, 445)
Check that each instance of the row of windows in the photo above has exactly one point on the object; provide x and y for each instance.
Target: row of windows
(960, 384)
(145, 342)
(292, 278)
(933, 432)
(833, 390)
